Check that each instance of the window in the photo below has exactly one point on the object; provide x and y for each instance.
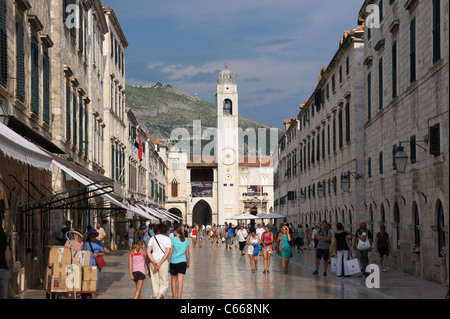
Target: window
(347, 66)
(34, 76)
(380, 6)
(329, 142)
(412, 148)
(383, 214)
(75, 103)
(416, 225)
(80, 126)
(341, 136)
(380, 84)
(313, 153)
(46, 89)
(174, 188)
(441, 230)
(323, 143)
(68, 111)
(347, 122)
(340, 74)
(318, 147)
(397, 224)
(394, 70)
(369, 96)
(369, 167)
(333, 83)
(412, 51)
(20, 60)
(380, 162)
(334, 135)
(436, 31)
(3, 45)
(435, 140)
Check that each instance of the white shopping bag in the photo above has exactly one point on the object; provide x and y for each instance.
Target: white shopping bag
(353, 266)
(333, 264)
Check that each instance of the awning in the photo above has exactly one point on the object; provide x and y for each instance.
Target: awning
(138, 210)
(165, 212)
(157, 214)
(15, 146)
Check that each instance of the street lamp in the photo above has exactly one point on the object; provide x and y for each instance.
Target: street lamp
(400, 159)
(302, 197)
(4, 116)
(345, 183)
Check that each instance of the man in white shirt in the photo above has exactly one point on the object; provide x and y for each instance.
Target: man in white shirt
(259, 231)
(242, 238)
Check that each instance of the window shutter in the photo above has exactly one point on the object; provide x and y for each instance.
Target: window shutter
(347, 122)
(380, 162)
(80, 126)
(20, 60)
(86, 131)
(412, 147)
(80, 27)
(341, 137)
(412, 50)
(394, 70)
(323, 143)
(34, 76)
(75, 103)
(3, 45)
(380, 84)
(435, 140)
(436, 30)
(369, 167)
(369, 96)
(46, 89)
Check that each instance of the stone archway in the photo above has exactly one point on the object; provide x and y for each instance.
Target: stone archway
(176, 212)
(202, 213)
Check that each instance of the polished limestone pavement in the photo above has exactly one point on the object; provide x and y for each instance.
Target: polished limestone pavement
(216, 273)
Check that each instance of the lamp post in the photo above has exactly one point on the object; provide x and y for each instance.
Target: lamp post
(400, 159)
(345, 183)
(320, 190)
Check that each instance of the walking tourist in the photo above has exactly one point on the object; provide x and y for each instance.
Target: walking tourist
(145, 235)
(201, 235)
(299, 238)
(242, 238)
(131, 232)
(363, 247)
(323, 237)
(137, 262)
(286, 252)
(96, 248)
(314, 240)
(267, 241)
(382, 246)
(229, 236)
(171, 231)
(307, 236)
(214, 236)
(5, 258)
(342, 247)
(101, 232)
(194, 233)
(158, 250)
(179, 261)
(253, 245)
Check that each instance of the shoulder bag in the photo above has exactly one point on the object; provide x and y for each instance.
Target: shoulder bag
(99, 260)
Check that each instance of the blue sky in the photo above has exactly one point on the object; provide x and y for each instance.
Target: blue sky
(275, 48)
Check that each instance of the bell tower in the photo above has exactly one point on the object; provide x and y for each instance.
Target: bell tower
(227, 145)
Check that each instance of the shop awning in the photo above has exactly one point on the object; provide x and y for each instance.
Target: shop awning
(15, 146)
(165, 212)
(138, 210)
(157, 214)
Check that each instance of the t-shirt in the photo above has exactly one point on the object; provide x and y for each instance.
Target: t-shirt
(259, 232)
(341, 240)
(230, 232)
(131, 232)
(300, 233)
(382, 240)
(97, 246)
(155, 250)
(179, 250)
(323, 244)
(242, 234)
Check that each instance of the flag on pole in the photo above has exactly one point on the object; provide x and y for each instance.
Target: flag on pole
(136, 146)
(140, 152)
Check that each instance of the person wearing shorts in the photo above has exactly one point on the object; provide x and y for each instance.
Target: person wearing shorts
(179, 261)
(242, 238)
(382, 246)
(323, 237)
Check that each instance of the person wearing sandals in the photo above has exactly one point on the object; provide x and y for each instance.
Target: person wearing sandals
(286, 252)
(137, 260)
(252, 241)
(267, 240)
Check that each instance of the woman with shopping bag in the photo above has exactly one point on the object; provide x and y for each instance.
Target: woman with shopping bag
(341, 249)
(253, 245)
(363, 247)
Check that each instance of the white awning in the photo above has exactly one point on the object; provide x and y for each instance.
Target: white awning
(153, 212)
(86, 181)
(142, 213)
(165, 212)
(15, 146)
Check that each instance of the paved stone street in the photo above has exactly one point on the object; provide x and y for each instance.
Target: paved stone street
(216, 273)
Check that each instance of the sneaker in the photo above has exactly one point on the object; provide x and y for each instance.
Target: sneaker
(324, 274)
(315, 272)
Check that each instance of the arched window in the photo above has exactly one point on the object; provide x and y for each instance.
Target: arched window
(416, 225)
(383, 214)
(397, 224)
(441, 230)
(371, 218)
(350, 220)
(228, 107)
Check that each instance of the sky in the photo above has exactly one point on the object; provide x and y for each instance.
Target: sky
(275, 48)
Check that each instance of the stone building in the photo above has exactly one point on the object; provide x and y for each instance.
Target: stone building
(406, 113)
(323, 147)
(211, 187)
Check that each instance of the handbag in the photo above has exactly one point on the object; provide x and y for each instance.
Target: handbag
(256, 249)
(99, 260)
(333, 264)
(353, 266)
(363, 245)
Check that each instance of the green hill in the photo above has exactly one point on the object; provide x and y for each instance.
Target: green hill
(161, 109)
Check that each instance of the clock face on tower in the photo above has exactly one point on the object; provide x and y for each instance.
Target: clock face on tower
(228, 156)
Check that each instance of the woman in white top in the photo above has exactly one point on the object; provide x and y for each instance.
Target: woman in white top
(158, 250)
(252, 241)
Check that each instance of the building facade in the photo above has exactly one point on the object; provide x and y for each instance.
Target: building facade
(406, 108)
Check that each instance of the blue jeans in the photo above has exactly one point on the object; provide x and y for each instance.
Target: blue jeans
(364, 261)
